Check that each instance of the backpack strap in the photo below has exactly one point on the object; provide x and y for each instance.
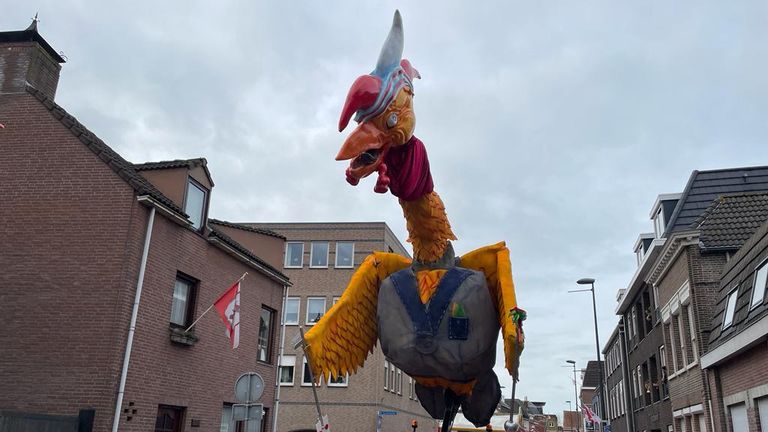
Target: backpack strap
(426, 319)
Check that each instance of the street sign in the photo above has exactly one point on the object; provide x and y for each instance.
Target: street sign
(387, 413)
(249, 387)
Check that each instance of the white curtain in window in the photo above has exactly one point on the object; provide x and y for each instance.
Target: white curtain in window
(179, 305)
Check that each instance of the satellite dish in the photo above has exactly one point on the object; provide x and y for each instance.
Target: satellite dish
(249, 387)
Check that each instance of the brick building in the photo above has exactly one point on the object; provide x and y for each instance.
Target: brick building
(643, 394)
(664, 386)
(84, 233)
(588, 396)
(686, 277)
(736, 362)
(320, 259)
(613, 354)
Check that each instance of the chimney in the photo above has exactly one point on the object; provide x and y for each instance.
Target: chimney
(27, 59)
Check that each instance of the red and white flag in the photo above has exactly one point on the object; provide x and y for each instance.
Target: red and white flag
(590, 415)
(228, 307)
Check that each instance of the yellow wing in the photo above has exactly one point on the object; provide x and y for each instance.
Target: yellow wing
(340, 342)
(494, 262)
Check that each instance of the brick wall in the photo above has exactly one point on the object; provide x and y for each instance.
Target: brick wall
(73, 234)
(27, 62)
(66, 223)
(351, 408)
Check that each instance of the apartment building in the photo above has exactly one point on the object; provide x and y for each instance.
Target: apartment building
(687, 278)
(736, 362)
(661, 310)
(614, 382)
(320, 259)
(106, 263)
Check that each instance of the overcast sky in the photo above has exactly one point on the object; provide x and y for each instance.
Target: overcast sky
(550, 125)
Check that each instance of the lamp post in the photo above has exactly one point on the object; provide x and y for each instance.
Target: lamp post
(591, 282)
(575, 395)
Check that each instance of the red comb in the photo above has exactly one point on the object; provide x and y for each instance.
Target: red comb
(409, 69)
(361, 95)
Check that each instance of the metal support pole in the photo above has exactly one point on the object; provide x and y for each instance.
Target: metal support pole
(600, 390)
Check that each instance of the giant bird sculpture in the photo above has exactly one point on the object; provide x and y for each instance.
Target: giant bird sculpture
(437, 317)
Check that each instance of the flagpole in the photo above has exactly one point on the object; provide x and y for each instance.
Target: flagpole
(311, 374)
(211, 306)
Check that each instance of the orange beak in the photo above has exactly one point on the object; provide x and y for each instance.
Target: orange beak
(366, 146)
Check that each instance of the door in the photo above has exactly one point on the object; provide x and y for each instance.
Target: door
(169, 418)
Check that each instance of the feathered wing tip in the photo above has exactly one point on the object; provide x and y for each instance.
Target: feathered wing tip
(428, 228)
(495, 263)
(340, 342)
(392, 50)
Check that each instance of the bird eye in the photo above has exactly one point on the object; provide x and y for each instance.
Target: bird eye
(392, 120)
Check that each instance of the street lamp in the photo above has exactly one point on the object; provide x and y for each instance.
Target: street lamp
(575, 395)
(591, 282)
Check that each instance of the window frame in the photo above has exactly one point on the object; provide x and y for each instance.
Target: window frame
(658, 222)
(312, 254)
(344, 383)
(283, 363)
(191, 182)
(386, 374)
(304, 369)
(285, 311)
(352, 255)
(191, 300)
(306, 313)
(730, 307)
(754, 301)
(270, 336)
(286, 260)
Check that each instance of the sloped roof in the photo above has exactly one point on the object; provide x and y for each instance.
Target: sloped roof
(731, 219)
(246, 228)
(120, 166)
(30, 34)
(266, 268)
(176, 163)
(591, 374)
(705, 186)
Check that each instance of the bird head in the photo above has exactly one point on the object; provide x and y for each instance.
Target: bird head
(382, 103)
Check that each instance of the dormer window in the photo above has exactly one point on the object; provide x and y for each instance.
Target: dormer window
(640, 253)
(658, 223)
(194, 203)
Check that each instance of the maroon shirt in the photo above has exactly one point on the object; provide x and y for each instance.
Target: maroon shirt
(408, 170)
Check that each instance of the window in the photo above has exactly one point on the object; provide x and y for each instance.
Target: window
(169, 419)
(758, 292)
(287, 366)
(762, 412)
(345, 254)
(265, 334)
(738, 414)
(670, 334)
(182, 306)
(227, 423)
(335, 300)
(683, 329)
(399, 382)
(318, 255)
(291, 311)
(315, 309)
(306, 376)
(658, 223)
(294, 255)
(410, 388)
(386, 375)
(730, 308)
(194, 204)
(339, 381)
(694, 351)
